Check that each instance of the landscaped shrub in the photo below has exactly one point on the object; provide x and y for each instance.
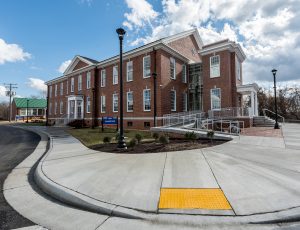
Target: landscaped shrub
(164, 139)
(155, 136)
(76, 124)
(190, 136)
(138, 137)
(106, 140)
(132, 143)
(210, 134)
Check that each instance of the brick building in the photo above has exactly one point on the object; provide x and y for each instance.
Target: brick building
(190, 76)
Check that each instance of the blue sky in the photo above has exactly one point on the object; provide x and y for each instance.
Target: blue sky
(49, 33)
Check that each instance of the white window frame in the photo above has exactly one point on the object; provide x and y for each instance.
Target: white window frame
(144, 70)
(88, 104)
(55, 108)
(173, 109)
(144, 102)
(67, 88)
(115, 97)
(55, 90)
(173, 66)
(184, 75)
(185, 102)
(211, 99)
(88, 80)
(115, 75)
(72, 85)
(61, 107)
(50, 91)
(129, 110)
(79, 82)
(61, 88)
(129, 71)
(103, 78)
(214, 68)
(103, 104)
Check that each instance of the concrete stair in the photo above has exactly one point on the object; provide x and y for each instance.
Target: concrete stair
(262, 121)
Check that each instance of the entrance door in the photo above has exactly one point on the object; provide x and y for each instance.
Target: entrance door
(79, 109)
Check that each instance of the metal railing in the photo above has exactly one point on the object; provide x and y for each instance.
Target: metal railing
(267, 110)
(182, 119)
(228, 112)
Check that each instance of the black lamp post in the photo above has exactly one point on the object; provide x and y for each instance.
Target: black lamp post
(154, 75)
(276, 126)
(121, 143)
(27, 110)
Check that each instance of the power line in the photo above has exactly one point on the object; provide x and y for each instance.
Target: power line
(10, 87)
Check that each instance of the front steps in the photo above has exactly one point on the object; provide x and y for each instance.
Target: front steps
(262, 121)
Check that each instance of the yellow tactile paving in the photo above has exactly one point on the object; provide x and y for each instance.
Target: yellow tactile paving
(181, 198)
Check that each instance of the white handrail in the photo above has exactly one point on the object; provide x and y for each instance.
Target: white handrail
(264, 112)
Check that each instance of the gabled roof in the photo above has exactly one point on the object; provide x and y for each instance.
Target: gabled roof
(77, 59)
(32, 103)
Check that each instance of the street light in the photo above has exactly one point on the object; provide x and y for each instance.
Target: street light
(121, 143)
(276, 126)
(27, 110)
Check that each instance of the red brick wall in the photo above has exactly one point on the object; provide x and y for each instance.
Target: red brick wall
(80, 65)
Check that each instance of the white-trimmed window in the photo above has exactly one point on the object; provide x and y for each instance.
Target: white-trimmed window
(61, 88)
(103, 78)
(61, 107)
(184, 102)
(72, 84)
(215, 98)
(55, 108)
(88, 104)
(184, 79)
(237, 68)
(67, 88)
(115, 75)
(147, 99)
(50, 108)
(103, 104)
(50, 91)
(129, 71)
(215, 66)
(115, 103)
(79, 82)
(88, 80)
(172, 68)
(146, 66)
(55, 90)
(173, 100)
(130, 101)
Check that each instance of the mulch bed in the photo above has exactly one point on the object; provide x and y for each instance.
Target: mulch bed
(155, 147)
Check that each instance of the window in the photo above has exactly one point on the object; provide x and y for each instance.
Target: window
(61, 107)
(61, 88)
(129, 71)
(50, 108)
(72, 84)
(88, 80)
(115, 103)
(129, 101)
(237, 68)
(147, 124)
(50, 91)
(215, 97)
(184, 102)
(146, 67)
(88, 104)
(55, 91)
(173, 100)
(129, 124)
(115, 75)
(103, 104)
(103, 78)
(215, 66)
(67, 86)
(184, 80)
(173, 68)
(55, 108)
(147, 100)
(79, 82)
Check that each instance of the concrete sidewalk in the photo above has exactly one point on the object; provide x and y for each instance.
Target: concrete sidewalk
(260, 177)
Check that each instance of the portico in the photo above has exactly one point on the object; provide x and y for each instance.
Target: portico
(75, 107)
(250, 89)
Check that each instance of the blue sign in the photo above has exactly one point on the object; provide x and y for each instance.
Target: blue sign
(110, 121)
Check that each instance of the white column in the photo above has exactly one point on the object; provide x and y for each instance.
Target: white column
(82, 107)
(252, 104)
(68, 111)
(256, 104)
(75, 109)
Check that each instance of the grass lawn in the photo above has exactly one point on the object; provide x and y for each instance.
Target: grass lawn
(90, 137)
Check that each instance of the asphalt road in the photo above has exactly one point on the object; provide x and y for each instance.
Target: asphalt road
(15, 145)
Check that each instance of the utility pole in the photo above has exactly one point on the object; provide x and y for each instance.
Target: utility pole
(10, 93)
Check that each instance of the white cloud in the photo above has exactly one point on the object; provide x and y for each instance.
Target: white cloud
(267, 30)
(11, 52)
(37, 84)
(64, 66)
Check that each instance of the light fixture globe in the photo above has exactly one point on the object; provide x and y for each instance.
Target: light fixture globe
(121, 32)
(274, 71)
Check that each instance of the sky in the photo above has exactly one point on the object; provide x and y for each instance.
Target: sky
(38, 39)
